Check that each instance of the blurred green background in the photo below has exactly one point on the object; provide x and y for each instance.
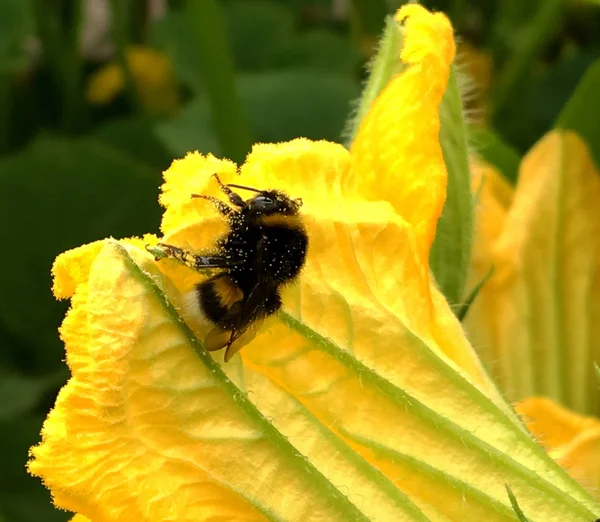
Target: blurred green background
(97, 97)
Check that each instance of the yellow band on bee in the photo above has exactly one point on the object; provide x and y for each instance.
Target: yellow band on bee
(283, 220)
(227, 291)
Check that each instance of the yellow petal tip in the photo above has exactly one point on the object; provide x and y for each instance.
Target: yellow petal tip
(429, 31)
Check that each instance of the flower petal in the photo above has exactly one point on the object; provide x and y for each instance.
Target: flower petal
(80, 518)
(397, 155)
(145, 431)
(354, 242)
(581, 458)
(572, 439)
(553, 424)
(348, 334)
(494, 196)
(391, 320)
(191, 175)
(362, 400)
(547, 280)
(338, 412)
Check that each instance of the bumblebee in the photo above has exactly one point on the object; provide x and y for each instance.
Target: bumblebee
(264, 249)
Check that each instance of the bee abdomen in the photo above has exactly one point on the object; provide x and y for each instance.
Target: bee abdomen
(217, 295)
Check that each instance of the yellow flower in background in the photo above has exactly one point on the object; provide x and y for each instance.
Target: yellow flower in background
(536, 322)
(156, 84)
(571, 439)
(362, 400)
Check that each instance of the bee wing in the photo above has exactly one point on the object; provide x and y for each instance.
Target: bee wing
(221, 337)
(249, 319)
(234, 340)
(217, 338)
(246, 318)
(240, 339)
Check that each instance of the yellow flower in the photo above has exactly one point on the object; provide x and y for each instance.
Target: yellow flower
(572, 439)
(156, 85)
(536, 322)
(361, 401)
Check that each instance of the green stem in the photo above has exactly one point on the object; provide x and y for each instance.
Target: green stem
(518, 66)
(384, 67)
(120, 24)
(216, 64)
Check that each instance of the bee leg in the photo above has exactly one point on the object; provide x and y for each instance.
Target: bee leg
(221, 207)
(234, 199)
(193, 261)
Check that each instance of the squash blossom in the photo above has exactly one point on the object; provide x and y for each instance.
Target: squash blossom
(573, 440)
(153, 77)
(536, 320)
(362, 400)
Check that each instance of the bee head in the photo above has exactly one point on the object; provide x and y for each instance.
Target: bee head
(268, 202)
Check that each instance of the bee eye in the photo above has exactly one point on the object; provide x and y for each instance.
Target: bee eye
(263, 203)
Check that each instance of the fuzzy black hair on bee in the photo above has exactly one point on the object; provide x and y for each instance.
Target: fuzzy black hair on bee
(263, 250)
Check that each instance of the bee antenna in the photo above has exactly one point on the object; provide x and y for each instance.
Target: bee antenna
(243, 187)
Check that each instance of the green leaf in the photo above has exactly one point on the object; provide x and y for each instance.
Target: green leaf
(16, 23)
(58, 194)
(216, 63)
(582, 112)
(189, 131)
(367, 18)
(492, 149)
(22, 497)
(262, 36)
(284, 105)
(451, 249)
(136, 136)
(20, 393)
(550, 90)
(31, 504)
(174, 36)
(321, 49)
(281, 105)
(530, 39)
(197, 42)
(260, 32)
